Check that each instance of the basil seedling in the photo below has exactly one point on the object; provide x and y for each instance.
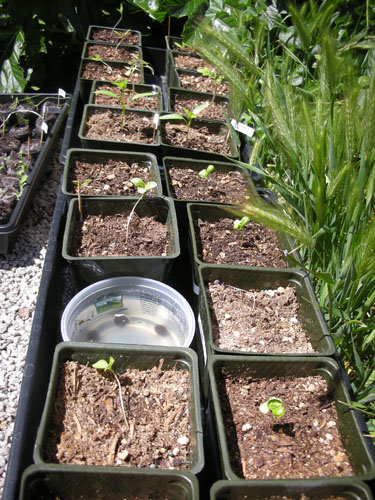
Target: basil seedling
(273, 405)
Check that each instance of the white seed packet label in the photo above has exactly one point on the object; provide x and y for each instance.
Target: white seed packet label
(61, 93)
(44, 127)
(244, 129)
(156, 119)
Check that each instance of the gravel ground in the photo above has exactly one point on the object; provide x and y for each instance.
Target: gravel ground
(20, 273)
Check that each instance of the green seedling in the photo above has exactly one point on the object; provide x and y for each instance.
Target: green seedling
(182, 45)
(21, 174)
(99, 59)
(133, 67)
(79, 192)
(122, 36)
(188, 115)
(120, 10)
(142, 189)
(217, 79)
(102, 364)
(205, 173)
(273, 405)
(239, 225)
(125, 102)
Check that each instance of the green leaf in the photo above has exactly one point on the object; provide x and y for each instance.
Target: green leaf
(107, 93)
(172, 116)
(102, 364)
(198, 109)
(12, 77)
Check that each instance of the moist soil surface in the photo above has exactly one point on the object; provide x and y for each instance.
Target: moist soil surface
(88, 426)
(111, 53)
(115, 36)
(147, 236)
(304, 443)
(215, 110)
(150, 102)
(200, 83)
(106, 124)
(191, 62)
(259, 321)
(114, 72)
(109, 177)
(222, 187)
(201, 137)
(219, 243)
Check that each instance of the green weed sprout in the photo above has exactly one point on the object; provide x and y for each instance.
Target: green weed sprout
(188, 115)
(125, 103)
(211, 73)
(205, 173)
(239, 225)
(274, 405)
(142, 189)
(102, 364)
(79, 187)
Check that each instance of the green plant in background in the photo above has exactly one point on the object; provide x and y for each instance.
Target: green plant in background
(142, 188)
(205, 173)
(107, 366)
(188, 115)
(273, 405)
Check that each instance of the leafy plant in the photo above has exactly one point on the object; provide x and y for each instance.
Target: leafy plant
(273, 405)
(107, 366)
(205, 173)
(142, 189)
(188, 116)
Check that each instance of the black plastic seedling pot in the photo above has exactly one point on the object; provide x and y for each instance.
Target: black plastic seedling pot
(350, 423)
(309, 313)
(106, 143)
(91, 269)
(100, 156)
(10, 229)
(127, 357)
(121, 32)
(348, 489)
(51, 481)
(138, 88)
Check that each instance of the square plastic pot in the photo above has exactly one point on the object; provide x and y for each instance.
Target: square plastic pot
(91, 30)
(137, 357)
(213, 213)
(214, 126)
(350, 423)
(139, 89)
(349, 489)
(88, 143)
(175, 76)
(201, 97)
(145, 160)
(309, 313)
(9, 230)
(51, 481)
(88, 270)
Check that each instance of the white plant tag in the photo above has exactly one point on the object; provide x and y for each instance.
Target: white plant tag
(44, 127)
(244, 129)
(61, 93)
(156, 119)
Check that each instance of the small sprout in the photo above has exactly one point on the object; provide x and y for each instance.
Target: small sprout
(79, 189)
(142, 189)
(99, 59)
(239, 225)
(274, 405)
(204, 174)
(211, 73)
(188, 115)
(102, 364)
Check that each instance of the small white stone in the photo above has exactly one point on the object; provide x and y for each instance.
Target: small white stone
(184, 440)
(246, 427)
(175, 451)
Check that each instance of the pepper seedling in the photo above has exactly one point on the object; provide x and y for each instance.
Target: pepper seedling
(188, 115)
(211, 73)
(205, 173)
(273, 405)
(99, 59)
(102, 364)
(142, 189)
(239, 225)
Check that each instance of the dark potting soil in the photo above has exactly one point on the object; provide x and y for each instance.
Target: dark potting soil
(187, 61)
(206, 137)
(259, 321)
(115, 36)
(202, 83)
(111, 53)
(114, 72)
(219, 243)
(215, 110)
(106, 124)
(110, 177)
(147, 236)
(150, 102)
(304, 443)
(88, 426)
(222, 187)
